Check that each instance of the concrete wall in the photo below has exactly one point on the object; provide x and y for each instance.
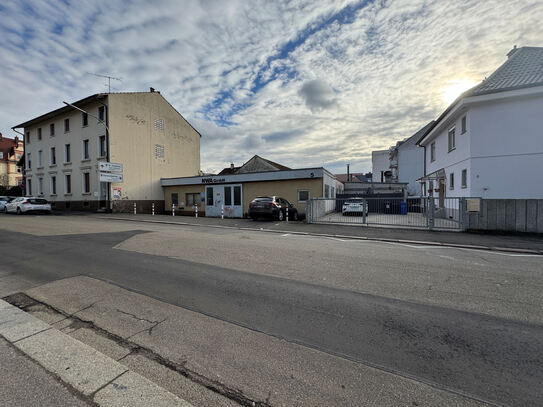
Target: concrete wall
(508, 215)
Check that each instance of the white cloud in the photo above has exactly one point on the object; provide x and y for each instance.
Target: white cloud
(329, 90)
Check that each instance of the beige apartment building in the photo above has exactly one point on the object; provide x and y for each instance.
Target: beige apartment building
(109, 151)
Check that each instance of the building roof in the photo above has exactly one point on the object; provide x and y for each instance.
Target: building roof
(8, 147)
(88, 99)
(522, 69)
(229, 170)
(255, 164)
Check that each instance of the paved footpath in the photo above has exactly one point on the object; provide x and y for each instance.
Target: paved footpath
(93, 377)
(532, 244)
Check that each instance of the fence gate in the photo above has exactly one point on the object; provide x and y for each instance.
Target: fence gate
(419, 212)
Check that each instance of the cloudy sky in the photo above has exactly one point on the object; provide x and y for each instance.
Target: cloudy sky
(304, 83)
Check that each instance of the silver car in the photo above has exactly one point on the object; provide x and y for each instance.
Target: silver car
(3, 201)
(354, 206)
(27, 204)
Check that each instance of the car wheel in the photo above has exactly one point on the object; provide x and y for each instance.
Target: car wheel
(19, 211)
(280, 215)
(254, 218)
(295, 216)
(5, 209)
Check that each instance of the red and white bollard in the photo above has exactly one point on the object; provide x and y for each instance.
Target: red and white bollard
(173, 209)
(222, 211)
(153, 209)
(287, 212)
(196, 213)
(134, 208)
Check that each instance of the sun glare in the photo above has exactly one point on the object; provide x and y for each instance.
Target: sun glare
(455, 87)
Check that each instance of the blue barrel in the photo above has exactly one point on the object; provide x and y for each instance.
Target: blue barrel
(403, 208)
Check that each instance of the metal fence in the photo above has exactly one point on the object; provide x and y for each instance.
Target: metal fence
(417, 212)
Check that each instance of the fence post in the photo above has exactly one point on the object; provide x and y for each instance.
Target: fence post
(364, 203)
(463, 207)
(173, 209)
(196, 213)
(153, 209)
(308, 212)
(431, 213)
(134, 208)
(222, 211)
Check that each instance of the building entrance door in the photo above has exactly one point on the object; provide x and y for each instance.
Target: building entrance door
(227, 198)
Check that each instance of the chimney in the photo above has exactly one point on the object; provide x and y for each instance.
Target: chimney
(348, 174)
(232, 166)
(152, 90)
(510, 53)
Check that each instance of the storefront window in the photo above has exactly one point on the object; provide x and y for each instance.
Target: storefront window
(228, 196)
(237, 195)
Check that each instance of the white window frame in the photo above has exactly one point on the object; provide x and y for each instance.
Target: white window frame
(451, 136)
(465, 178)
(451, 180)
(83, 143)
(40, 186)
(99, 146)
(66, 183)
(51, 156)
(463, 124)
(308, 195)
(40, 159)
(52, 184)
(433, 151)
(67, 147)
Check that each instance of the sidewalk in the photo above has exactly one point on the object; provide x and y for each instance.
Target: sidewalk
(529, 244)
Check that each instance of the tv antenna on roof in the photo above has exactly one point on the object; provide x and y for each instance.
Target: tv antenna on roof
(109, 78)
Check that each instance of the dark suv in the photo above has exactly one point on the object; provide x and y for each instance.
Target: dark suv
(272, 207)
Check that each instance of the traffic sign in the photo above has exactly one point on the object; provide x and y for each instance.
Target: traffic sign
(111, 167)
(107, 177)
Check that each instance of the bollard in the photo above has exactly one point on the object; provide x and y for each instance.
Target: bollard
(196, 213)
(173, 209)
(222, 211)
(153, 209)
(287, 212)
(134, 208)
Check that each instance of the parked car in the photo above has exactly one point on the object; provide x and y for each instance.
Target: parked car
(27, 204)
(3, 201)
(355, 206)
(273, 207)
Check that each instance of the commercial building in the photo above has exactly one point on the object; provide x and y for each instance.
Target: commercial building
(68, 151)
(231, 191)
(488, 143)
(11, 151)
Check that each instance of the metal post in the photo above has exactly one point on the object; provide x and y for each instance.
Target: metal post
(173, 209)
(153, 209)
(431, 212)
(222, 211)
(196, 213)
(364, 203)
(134, 208)
(287, 212)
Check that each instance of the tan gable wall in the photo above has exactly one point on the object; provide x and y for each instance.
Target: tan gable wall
(134, 137)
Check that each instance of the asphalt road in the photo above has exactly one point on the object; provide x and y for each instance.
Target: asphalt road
(481, 355)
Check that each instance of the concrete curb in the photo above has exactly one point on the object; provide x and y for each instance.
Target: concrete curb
(95, 375)
(377, 239)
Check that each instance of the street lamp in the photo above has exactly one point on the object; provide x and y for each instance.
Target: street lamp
(107, 144)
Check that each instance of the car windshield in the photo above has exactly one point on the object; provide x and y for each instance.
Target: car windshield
(37, 201)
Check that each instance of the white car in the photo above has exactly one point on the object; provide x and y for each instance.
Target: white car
(27, 204)
(354, 206)
(3, 201)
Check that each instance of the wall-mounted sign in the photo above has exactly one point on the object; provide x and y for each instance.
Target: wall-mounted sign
(111, 167)
(212, 180)
(107, 177)
(116, 193)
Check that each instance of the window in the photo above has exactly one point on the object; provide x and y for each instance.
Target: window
(303, 195)
(451, 180)
(84, 119)
(40, 186)
(29, 186)
(67, 154)
(237, 195)
(1, 155)
(40, 157)
(175, 199)
(209, 196)
(464, 127)
(86, 182)
(464, 178)
(28, 137)
(66, 125)
(433, 151)
(53, 156)
(85, 150)
(28, 161)
(332, 192)
(102, 146)
(39, 133)
(452, 141)
(101, 113)
(192, 199)
(68, 183)
(53, 185)
(52, 129)
(159, 151)
(228, 196)
(159, 124)
(326, 191)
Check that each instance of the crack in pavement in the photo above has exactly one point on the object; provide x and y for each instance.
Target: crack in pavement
(23, 301)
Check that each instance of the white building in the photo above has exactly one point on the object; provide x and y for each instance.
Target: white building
(380, 166)
(489, 142)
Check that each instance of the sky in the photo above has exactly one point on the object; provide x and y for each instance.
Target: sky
(304, 83)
